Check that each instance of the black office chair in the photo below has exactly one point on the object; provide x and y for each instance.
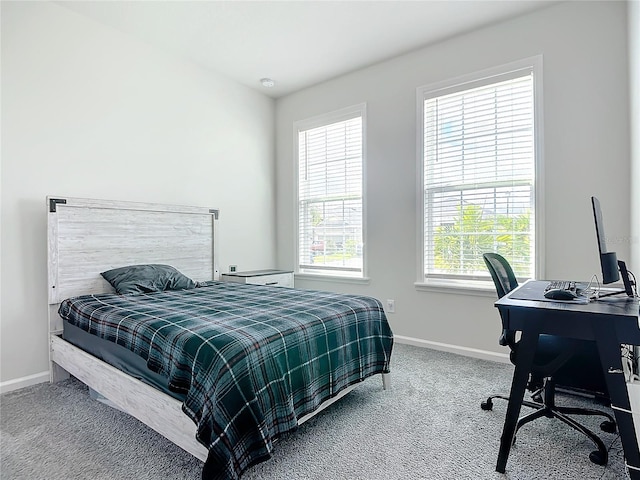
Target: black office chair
(573, 364)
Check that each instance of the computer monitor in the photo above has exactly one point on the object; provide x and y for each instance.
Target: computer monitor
(612, 268)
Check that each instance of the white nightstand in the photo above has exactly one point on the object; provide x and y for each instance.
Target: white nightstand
(281, 278)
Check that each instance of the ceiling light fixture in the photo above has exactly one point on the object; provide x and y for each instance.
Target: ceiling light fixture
(267, 82)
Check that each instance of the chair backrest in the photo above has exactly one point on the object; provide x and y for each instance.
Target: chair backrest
(505, 280)
(501, 273)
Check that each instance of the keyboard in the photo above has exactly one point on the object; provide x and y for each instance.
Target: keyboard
(561, 285)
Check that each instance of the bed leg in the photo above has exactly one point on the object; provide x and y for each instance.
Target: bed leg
(386, 381)
(57, 373)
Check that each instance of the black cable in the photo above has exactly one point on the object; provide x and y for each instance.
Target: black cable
(604, 470)
(634, 283)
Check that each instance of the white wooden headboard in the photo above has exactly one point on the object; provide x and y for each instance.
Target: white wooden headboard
(88, 236)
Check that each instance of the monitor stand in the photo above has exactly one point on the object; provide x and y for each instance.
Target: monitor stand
(628, 283)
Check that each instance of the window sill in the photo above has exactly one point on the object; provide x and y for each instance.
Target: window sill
(332, 278)
(477, 288)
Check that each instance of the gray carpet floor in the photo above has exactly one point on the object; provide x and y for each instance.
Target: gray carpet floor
(428, 425)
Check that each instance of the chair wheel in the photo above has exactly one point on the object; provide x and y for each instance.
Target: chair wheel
(608, 426)
(488, 405)
(598, 457)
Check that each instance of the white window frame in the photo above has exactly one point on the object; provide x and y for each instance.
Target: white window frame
(532, 64)
(315, 122)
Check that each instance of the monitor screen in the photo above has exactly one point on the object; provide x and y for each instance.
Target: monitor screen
(608, 260)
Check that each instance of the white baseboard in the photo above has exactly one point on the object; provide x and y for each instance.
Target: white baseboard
(23, 382)
(445, 347)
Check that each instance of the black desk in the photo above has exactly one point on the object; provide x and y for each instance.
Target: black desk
(611, 322)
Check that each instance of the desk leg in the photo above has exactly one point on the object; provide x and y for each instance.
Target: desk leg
(610, 358)
(526, 352)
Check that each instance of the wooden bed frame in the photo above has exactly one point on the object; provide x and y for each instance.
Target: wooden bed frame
(86, 237)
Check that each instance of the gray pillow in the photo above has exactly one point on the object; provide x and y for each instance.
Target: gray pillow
(147, 278)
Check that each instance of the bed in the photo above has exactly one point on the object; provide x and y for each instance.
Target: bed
(221, 369)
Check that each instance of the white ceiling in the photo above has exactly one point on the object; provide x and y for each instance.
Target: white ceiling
(296, 43)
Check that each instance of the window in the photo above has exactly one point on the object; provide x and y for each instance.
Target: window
(478, 159)
(330, 206)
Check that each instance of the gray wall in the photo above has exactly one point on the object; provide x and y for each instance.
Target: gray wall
(586, 152)
(634, 83)
(90, 112)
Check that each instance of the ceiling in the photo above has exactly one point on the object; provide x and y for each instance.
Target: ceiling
(295, 43)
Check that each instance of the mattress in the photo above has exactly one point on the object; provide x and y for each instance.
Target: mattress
(117, 356)
(250, 359)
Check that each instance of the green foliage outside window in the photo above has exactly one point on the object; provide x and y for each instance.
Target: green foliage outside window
(458, 246)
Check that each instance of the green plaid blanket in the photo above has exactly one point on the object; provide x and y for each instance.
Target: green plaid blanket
(251, 359)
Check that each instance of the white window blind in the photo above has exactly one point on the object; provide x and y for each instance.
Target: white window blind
(479, 172)
(330, 163)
